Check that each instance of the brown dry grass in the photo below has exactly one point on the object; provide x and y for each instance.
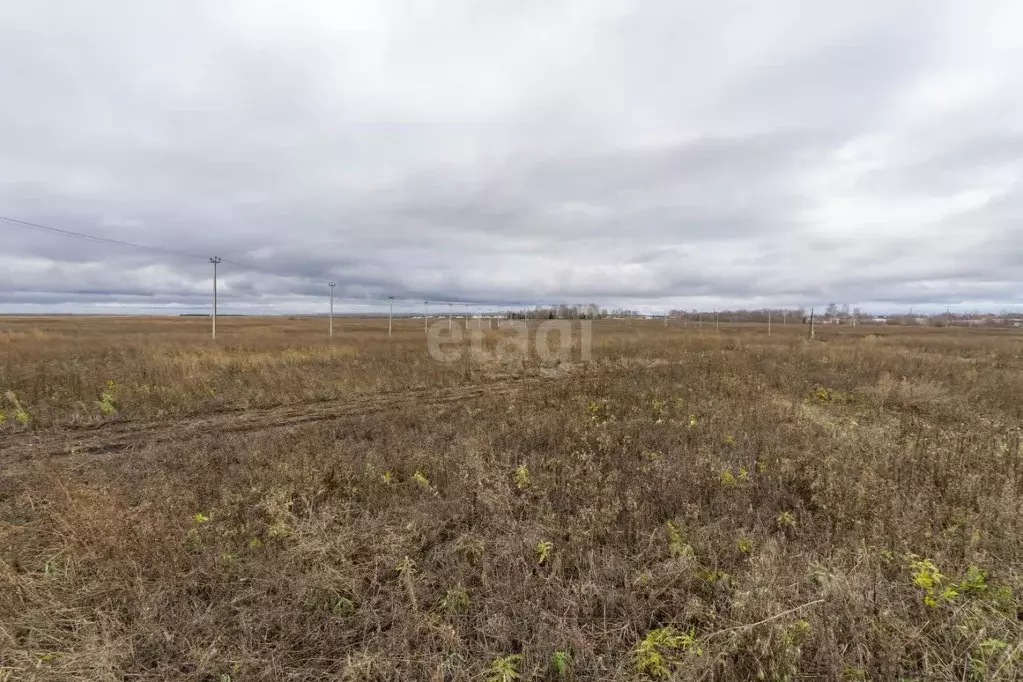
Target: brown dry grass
(271, 507)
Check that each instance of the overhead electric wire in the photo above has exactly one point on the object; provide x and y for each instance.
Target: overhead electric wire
(15, 222)
(107, 240)
(92, 237)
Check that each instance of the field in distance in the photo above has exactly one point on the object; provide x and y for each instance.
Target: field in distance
(688, 503)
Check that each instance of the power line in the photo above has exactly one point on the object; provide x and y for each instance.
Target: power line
(15, 222)
(91, 237)
(263, 271)
(143, 247)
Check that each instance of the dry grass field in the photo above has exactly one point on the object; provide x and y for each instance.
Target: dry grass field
(689, 504)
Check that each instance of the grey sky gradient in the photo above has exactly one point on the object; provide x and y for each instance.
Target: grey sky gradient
(656, 154)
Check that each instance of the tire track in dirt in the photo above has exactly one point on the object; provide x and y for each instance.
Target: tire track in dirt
(118, 436)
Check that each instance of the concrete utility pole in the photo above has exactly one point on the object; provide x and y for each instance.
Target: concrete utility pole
(330, 325)
(467, 311)
(426, 317)
(449, 317)
(717, 327)
(768, 322)
(215, 260)
(390, 313)
(811, 324)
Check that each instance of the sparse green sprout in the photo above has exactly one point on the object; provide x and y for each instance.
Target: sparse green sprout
(990, 646)
(254, 543)
(677, 546)
(386, 477)
(657, 410)
(743, 474)
(193, 540)
(692, 421)
(712, 576)
(279, 529)
(199, 517)
(18, 413)
(853, 674)
(455, 601)
(745, 545)
(561, 663)
(421, 480)
(827, 395)
(343, 607)
(599, 411)
(974, 582)
(406, 567)
(656, 653)
(797, 630)
(471, 548)
(651, 458)
(729, 439)
(726, 477)
(3, 416)
(521, 477)
(543, 551)
(107, 398)
(986, 653)
(504, 668)
(928, 578)
(785, 519)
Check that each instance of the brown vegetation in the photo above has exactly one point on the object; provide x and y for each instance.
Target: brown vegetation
(690, 504)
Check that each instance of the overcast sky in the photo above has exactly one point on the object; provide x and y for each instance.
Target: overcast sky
(653, 153)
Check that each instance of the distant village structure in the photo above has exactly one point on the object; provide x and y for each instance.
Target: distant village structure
(833, 314)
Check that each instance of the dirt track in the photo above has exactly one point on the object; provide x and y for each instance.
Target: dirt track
(115, 436)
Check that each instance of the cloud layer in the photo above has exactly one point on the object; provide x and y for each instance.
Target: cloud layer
(655, 154)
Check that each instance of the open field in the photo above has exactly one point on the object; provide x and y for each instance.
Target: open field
(689, 504)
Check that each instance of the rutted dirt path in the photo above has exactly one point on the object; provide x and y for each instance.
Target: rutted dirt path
(118, 436)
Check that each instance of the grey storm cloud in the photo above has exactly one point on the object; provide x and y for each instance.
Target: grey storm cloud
(653, 154)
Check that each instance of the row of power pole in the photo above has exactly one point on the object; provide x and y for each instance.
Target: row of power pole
(216, 260)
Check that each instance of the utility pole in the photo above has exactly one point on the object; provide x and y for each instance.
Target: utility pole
(768, 322)
(467, 311)
(215, 260)
(426, 317)
(665, 318)
(449, 317)
(811, 324)
(330, 325)
(717, 327)
(390, 313)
